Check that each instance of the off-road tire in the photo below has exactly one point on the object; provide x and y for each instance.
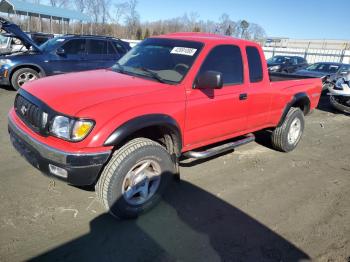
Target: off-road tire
(17, 73)
(279, 137)
(109, 185)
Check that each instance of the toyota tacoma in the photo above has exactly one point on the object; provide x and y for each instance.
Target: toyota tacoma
(124, 129)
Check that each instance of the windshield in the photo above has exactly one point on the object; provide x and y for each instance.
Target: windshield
(51, 44)
(327, 68)
(164, 60)
(279, 60)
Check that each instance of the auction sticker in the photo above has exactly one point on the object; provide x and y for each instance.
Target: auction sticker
(183, 51)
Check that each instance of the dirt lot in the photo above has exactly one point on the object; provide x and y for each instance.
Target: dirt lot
(254, 204)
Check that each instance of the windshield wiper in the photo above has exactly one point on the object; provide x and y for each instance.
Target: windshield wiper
(120, 68)
(152, 74)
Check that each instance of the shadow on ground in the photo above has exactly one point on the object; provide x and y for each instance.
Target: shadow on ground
(189, 224)
(8, 88)
(325, 105)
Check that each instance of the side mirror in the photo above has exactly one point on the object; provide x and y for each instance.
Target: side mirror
(60, 51)
(209, 80)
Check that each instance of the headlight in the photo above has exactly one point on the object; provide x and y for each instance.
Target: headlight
(71, 129)
(274, 68)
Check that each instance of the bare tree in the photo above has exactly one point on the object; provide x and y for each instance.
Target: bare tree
(244, 25)
(94, 10)
(104, 6)
(80, 5)
(132, 19)
(226, 25)
(193, 20)
(59, 3)
(147, 33)
(255, 32)
(228, 31)
(119, 11)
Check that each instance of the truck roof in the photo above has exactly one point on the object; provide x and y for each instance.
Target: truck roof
(205, 37)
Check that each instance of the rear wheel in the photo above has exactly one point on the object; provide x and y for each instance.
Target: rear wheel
(287, 136)
(22, 76)
(135, 178)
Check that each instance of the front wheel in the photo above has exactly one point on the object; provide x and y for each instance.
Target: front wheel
(22, 76)
(287, 136)
(135, 178)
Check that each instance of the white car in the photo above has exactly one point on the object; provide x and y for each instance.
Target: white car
(340, 94)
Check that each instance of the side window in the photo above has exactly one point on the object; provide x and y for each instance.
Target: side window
(345, 68)
(226, 59)
(301, 60)
(255, 65)
(74, 47)
(111, 49)
(119, 47)
(97, 47)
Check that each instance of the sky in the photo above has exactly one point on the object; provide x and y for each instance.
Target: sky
(302, 19)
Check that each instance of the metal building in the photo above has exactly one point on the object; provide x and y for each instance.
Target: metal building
(44, 12)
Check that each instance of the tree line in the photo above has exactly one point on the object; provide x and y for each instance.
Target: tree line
(122, 20)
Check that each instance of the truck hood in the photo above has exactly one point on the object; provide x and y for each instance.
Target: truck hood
(15, 31)
(73, 92)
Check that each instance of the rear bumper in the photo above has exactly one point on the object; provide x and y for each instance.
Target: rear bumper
(82, 169)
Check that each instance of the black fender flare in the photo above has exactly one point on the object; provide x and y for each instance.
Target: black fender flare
(140, 122)
(298, 98)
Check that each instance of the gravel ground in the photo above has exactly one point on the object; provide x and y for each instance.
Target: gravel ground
(254, 204)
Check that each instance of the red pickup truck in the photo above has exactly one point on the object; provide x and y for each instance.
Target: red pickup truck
(123, 129)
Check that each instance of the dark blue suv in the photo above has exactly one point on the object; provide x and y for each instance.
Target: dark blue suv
(64, 54)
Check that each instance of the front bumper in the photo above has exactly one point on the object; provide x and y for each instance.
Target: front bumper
(82, 169)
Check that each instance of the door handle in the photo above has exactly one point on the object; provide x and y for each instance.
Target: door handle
(243, 96)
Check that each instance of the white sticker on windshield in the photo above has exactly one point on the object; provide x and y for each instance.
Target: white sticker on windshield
(60, 40)
(183, 51)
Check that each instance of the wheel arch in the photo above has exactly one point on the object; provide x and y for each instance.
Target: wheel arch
(300, 100)
(35, 67)
(160, 127)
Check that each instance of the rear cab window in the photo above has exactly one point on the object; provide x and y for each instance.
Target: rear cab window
(255, 64)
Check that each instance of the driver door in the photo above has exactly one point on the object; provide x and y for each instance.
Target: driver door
(72, 60)
(213, 114)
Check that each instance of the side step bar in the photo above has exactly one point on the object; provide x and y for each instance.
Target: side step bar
(219, 149)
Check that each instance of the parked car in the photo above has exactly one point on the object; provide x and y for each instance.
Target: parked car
(40, 38)
(339, 94)
(286, 64)
(330, 71)
(64, 54)
(10, 43)
(124, 128)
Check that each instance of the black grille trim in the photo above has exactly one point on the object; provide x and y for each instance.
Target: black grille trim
(34, 108)
(29, 113)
